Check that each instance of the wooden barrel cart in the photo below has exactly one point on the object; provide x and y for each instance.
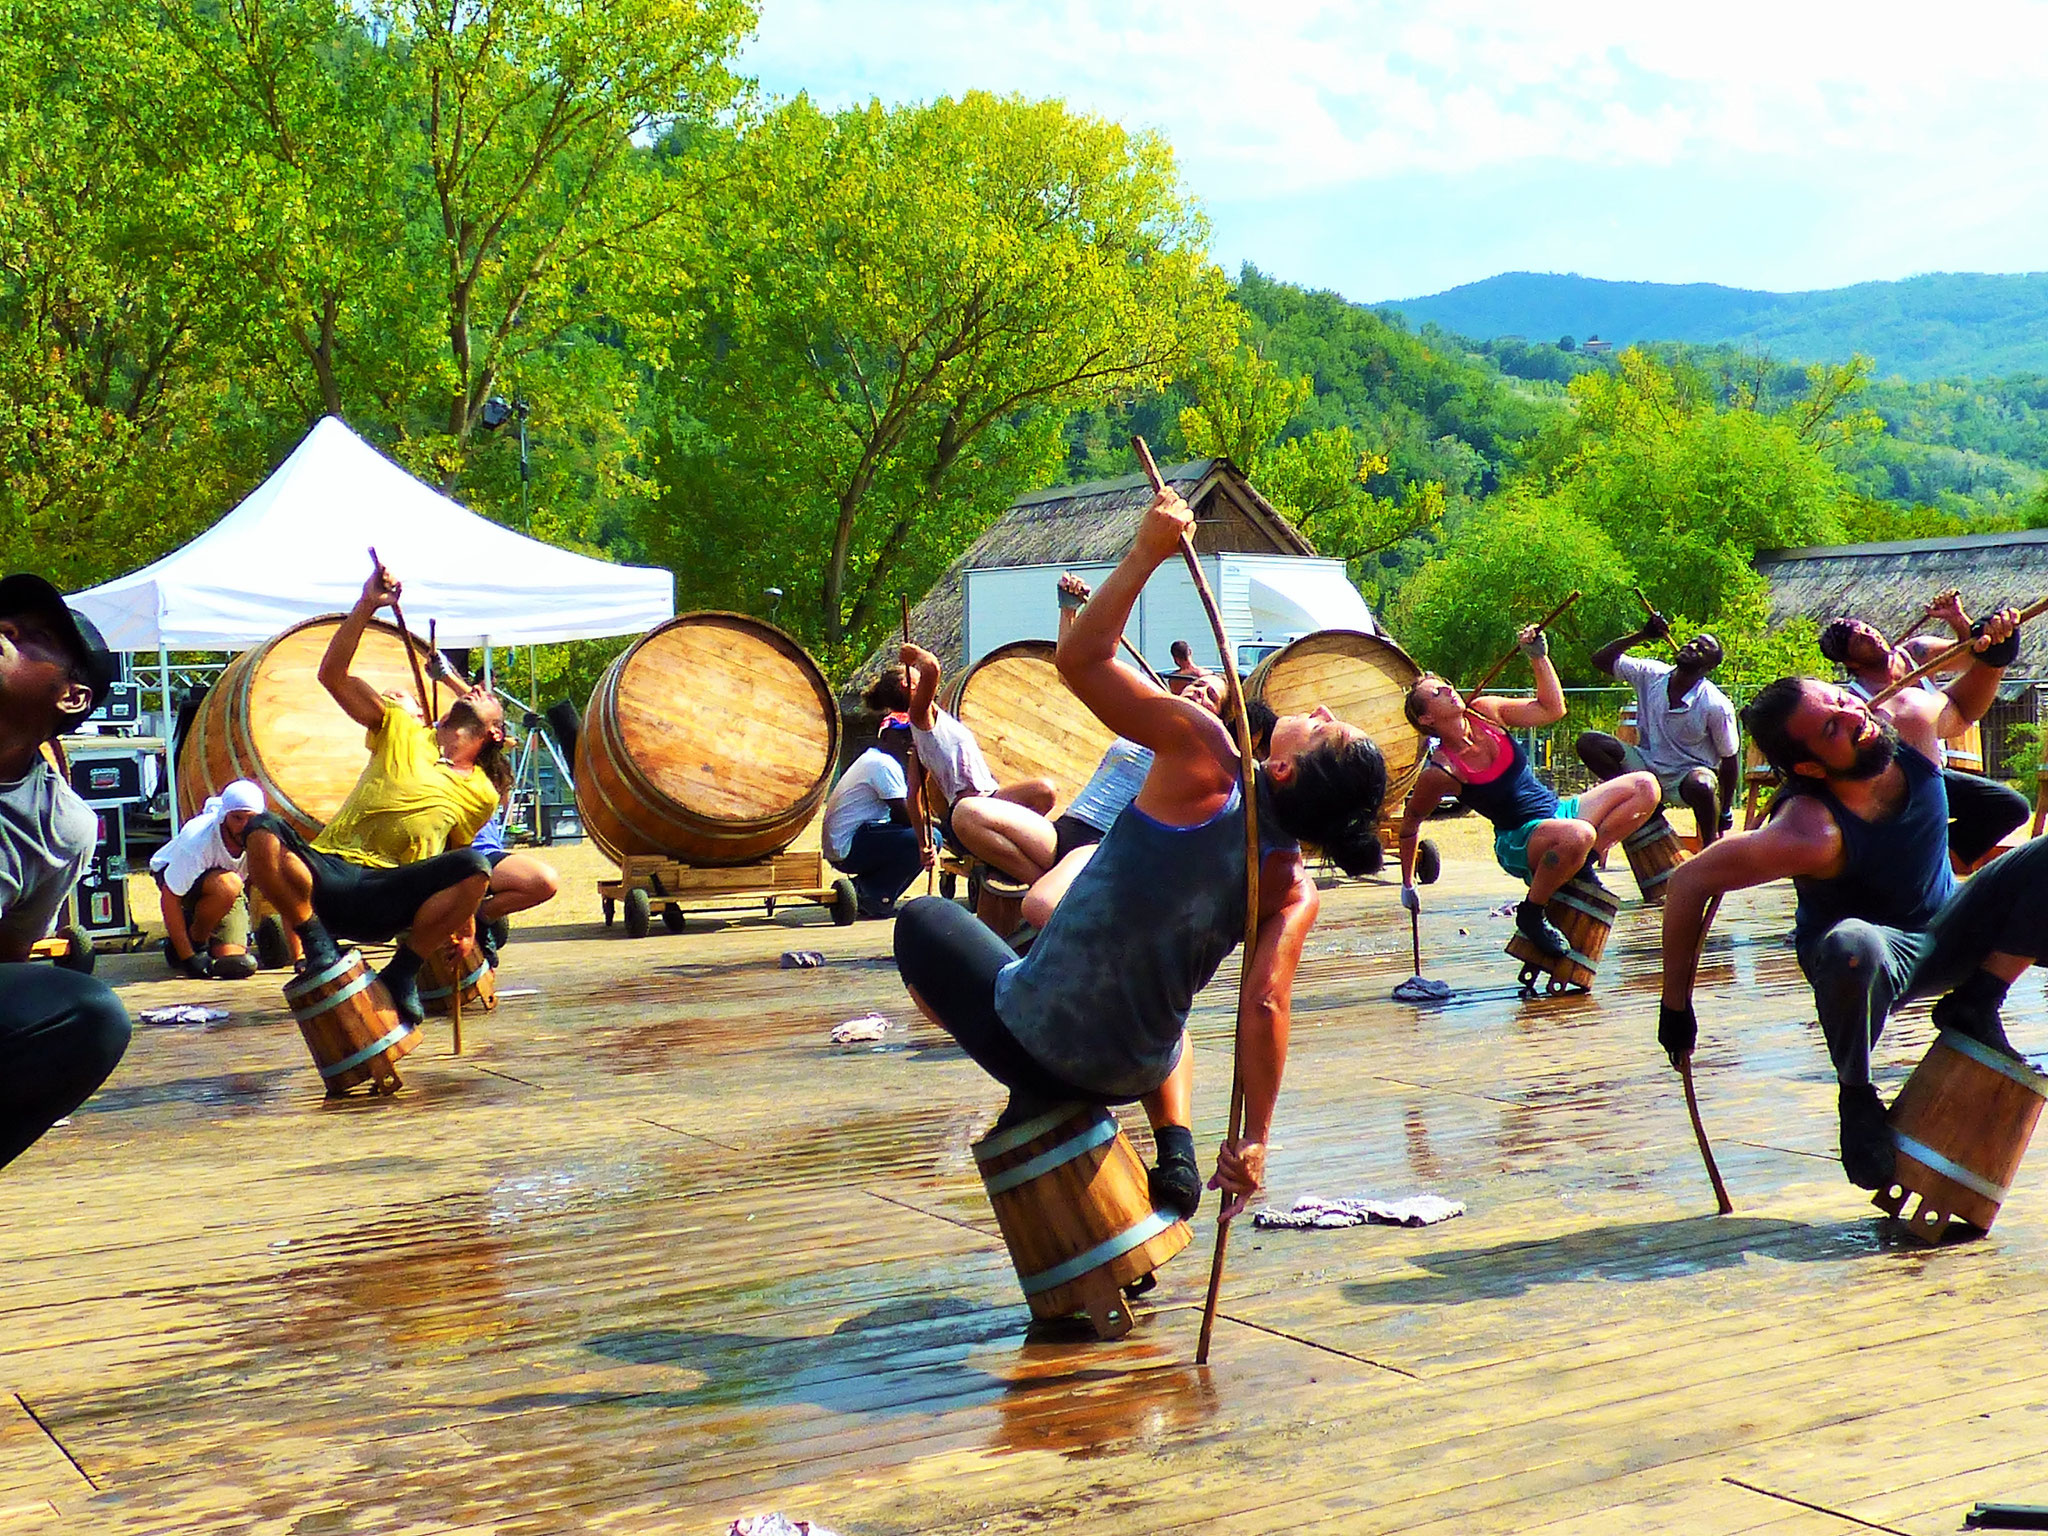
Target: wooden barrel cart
(1363, 680)
(706, 750)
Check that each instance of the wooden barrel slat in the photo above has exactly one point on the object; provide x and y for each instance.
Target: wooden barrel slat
(1654, 851)
(711, 740)
(1585, 918)
(1963, 1121)
(268, 720)
(458, 967)
(1967, 750)
(1026, 719)
(1093, 1196)
(344, 1013)
(1361, 679)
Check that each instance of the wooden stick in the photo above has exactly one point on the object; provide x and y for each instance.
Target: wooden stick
(1692, 1102)
(1921, 623)
(920, 816)
(456, 956)
(434, 650)
(1542, 624)
(1942, 658)
(419, 678)
(1415, 938)
(1248, 789)
(1138, 657)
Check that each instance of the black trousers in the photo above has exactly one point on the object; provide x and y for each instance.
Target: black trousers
(357, 901)
(1980, 812)
(1861, 971)
(883, 859)
(948, 957)
(61, 1036)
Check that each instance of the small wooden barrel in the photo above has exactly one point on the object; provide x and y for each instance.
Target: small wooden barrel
(1653, 851)
(1361, 679)
(1626, 731)
(999, 902)
(1027, 720)
(1967, 750)
(710, 741)
(1962, 1123)
(1585, 918)
(353, 1031)
(458, 968)
(268, 720)
(1070, 1196)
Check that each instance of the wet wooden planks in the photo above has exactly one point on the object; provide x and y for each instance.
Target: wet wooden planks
(653, 1254)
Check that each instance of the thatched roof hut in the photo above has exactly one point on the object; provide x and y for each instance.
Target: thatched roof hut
(1080, 524)
(1889, 585)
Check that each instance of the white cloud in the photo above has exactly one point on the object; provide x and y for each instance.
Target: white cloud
(1932, 108)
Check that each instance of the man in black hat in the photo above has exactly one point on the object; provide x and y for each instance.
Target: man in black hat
(61, 1033)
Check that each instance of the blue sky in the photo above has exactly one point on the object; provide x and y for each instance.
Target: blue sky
(1388, 149)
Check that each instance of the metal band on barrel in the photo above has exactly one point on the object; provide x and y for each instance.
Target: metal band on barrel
(1949, 1169)
(1109, 1248)
(1997, 1061)
(360, 984)
(374, 1048)
(1094, 1136)
(996, 1143)
(1603, 916)
(304, 984)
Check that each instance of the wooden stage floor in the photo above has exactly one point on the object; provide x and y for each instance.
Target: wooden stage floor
(654, 1254)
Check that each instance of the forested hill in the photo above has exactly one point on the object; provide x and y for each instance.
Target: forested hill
(1942, 325)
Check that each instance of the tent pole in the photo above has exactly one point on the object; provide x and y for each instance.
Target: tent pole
(487, 661)
(163, 674)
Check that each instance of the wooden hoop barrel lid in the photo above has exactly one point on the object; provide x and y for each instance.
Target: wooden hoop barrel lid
(1026, 719)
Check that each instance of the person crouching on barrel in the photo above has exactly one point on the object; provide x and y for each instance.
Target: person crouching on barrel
(1097, 1011)
(1861, 829)
(394, 858)
(1536, 836)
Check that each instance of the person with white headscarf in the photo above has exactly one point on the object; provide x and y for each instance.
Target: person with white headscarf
(199, 876)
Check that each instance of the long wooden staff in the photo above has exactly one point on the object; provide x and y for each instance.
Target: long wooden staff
(1942, 658)
(1924, 620)
(920, 815)
(1139, 657)
(1692, 1101)
(1248, 790)
(419, 678)
(1494, 671)
(434, 650)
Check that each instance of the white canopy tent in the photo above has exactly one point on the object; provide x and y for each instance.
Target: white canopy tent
(298, 546)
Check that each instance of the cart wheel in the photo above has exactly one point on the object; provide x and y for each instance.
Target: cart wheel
(272, 952)
(1428, 862)
(948, 884)
(609, 909)
(672, 918)
(845, 905)
(78, 953)
(639, 914)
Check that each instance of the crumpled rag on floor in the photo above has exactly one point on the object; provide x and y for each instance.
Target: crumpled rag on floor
(1314, 1211)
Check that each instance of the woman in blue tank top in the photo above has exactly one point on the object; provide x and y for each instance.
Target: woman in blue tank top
(1098, 1010)
(1536, 836)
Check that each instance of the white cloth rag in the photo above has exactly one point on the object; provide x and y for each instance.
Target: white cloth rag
(1314, 1211)
(182, 1013)
(775, 1525)
(869, 1026)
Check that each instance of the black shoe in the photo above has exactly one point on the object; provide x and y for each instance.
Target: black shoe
(1590, 875)
(1980, 1021)
(403, 983)
(1534, 924)
(878, 909)
(193, 965)
(487, 940)
(1175, 1185)
(317, 946)
(232, 967)
(1869, 1156)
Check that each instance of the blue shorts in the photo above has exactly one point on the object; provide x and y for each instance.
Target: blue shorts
(1511, 847)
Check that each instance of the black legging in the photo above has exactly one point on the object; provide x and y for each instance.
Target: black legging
(1981, 811)
(61, 1035)
(948, 957)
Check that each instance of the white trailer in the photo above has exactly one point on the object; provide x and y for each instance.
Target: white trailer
(1266, 601)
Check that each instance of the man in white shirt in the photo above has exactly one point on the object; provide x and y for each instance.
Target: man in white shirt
(199, 876)
(1685, 727)
(61, 1033)
(946, 748)
(868, 832)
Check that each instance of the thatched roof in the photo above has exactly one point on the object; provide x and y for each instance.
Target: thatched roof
(1890, 585)
(1083, 524)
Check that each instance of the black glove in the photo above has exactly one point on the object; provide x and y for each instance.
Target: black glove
(2002, 654)
(1678, 1029)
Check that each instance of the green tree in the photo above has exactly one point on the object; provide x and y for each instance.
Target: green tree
(896, 313)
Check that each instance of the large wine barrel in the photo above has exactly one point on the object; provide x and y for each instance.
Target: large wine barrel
(268, 720)
(1027, 720)
(711, 740)
(1361, 679)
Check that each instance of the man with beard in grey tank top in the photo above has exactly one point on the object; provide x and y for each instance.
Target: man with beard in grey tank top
(1098, 1011)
